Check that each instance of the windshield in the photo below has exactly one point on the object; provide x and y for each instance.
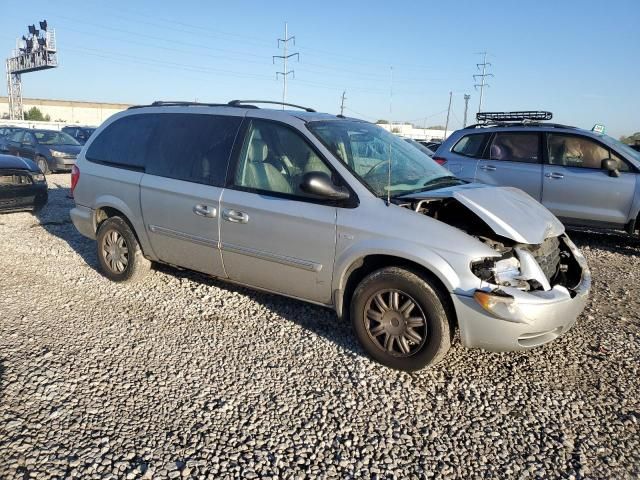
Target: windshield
(624, 148)
(366, 150)
(54, 138)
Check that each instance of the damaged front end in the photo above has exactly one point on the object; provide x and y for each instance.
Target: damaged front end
(537, 282)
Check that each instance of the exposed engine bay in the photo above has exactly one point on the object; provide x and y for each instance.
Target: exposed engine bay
(527, 267)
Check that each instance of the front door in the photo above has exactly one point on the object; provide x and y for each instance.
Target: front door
(275, 236)
(186, 163)
(513, 159)
(577, 190)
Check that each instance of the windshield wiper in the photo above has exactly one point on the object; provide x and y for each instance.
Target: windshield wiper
(439, 182)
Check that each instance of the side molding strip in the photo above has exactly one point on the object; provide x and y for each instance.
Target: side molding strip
(184, 236)
(272, 257)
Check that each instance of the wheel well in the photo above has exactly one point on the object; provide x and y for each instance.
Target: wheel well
(104, 213)
(363, 267)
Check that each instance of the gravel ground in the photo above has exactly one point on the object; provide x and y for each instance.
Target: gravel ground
(183, 376)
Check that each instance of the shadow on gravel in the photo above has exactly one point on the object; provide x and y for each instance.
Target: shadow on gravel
(611, 241)
(54, 218)
(1, 378)
(318, 320)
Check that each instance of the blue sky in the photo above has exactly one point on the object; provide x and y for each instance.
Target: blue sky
(576, 58)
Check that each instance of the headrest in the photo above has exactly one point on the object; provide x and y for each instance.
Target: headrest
(258, 150)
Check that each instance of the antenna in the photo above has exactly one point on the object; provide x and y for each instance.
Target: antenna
(285, 73)
(389, 178)
(482, 77)
(342, 102)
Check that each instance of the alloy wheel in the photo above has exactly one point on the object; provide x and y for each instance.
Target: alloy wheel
(395, 322)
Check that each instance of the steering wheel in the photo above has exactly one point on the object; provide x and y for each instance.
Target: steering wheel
(374, 171)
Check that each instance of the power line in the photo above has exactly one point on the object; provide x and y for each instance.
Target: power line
(482, 67)
(285, 73)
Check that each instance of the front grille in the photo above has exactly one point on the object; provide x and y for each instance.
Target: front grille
(547, 255)
(14, 180)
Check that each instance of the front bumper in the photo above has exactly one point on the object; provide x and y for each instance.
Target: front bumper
(63, 163)
(548, 315)
(17, 199)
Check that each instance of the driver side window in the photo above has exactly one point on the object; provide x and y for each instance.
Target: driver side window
(274, 158)
(575, 151)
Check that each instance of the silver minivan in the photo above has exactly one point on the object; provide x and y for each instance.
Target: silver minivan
(333, 211)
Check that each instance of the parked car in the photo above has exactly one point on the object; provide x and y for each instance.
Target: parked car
(585, 178)
(80, 134)
(432, 145)
(5, 132)
(419, 146)
(51, 150)
(285, 201)
(22, 185)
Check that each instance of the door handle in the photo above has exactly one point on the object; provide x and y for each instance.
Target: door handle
(235, 216)
(554, 175)
(488, 168)
(204, 211)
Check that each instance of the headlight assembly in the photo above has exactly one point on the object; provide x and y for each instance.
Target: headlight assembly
(56, 153)
(38, 177)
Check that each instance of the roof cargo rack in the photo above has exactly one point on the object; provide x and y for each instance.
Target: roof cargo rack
(522, 116)
(179, 103)
(238, 103)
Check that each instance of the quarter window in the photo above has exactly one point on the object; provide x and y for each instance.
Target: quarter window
(124, 142)
(515, 147)
(274, 158)
(574, 151)
(471, 145)
(191, 147)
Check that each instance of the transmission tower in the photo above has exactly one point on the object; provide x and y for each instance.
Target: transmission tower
(285, 56)
(33, 53)
(482, 76)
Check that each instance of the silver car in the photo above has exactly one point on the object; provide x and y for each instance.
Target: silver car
(333, 211)
(587, 179)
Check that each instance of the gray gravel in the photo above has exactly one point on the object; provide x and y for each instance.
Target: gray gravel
(183, 376)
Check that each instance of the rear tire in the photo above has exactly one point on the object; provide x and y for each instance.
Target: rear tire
(119, 254)
(400, 319)
(43, 165)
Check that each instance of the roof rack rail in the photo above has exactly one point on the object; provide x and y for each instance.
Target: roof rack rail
(243, 103)
(518, 124)
(521, 116)
(180, 103)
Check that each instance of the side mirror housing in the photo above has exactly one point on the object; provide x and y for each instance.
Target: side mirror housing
(319, 184)
(611, 166)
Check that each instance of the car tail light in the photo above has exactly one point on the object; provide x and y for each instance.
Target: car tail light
(440, 160)
(75, 176)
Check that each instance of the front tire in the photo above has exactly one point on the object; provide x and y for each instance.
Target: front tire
(400, 319)
(119, 254)
(43, 165)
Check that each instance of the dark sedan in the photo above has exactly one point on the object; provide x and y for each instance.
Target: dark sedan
(22, 185)
(51, 150)
(5, 133)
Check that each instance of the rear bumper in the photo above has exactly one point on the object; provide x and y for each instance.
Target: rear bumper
(547, 315)
(82, 218)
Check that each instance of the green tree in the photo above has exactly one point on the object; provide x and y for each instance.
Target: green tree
(34, 114)
(383, 122)
(631, 139)
(436, 127)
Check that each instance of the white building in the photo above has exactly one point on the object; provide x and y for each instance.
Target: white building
(67, 111)
(410, 131)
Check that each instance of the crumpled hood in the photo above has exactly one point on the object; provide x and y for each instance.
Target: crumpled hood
(509, 211)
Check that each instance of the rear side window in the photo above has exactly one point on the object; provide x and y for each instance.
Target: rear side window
(192, 147)
(516, 147)
(471, 145)
(124, 142)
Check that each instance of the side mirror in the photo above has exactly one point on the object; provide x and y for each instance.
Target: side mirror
(611, 166)
(320, 185)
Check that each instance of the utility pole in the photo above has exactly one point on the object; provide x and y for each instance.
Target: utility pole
(466, 109)
(342, 102)
(483, 68)
(446, 125)
(391, 94)
(285, 73)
